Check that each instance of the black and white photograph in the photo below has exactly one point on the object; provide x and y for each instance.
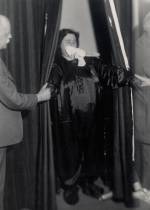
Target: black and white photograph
(74, 104)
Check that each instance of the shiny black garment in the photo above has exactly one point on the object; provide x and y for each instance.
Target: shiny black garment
(75, 107)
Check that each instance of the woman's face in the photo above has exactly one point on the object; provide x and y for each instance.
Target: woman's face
(68, 40)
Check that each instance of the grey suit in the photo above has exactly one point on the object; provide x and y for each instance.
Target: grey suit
(11, 129)
(11, 104)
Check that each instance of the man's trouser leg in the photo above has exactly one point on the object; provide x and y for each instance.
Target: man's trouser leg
(2, 176)
(143, 163)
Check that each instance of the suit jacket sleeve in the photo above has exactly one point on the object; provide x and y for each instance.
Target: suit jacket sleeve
(11, 98)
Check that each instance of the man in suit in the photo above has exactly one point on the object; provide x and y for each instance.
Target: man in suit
(141, 99)
(11, 104)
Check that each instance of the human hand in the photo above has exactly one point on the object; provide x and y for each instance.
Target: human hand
(76, 53)
(44, 94)
(143, 81)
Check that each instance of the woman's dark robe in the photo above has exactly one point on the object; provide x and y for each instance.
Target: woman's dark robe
(76, 113)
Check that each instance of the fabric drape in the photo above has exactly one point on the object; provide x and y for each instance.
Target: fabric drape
(122, 115)
(104, 47)
(46, 196)
(26, 55)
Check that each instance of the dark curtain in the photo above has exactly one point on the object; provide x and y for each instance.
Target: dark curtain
(46, 194)
(122, 145)
(117, 142)
(104, 47)
(24, 58)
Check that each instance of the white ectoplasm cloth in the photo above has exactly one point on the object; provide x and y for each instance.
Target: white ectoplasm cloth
(76, 53)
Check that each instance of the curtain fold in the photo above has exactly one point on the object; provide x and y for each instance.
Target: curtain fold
(122, 146)
(28, 53)
(46, 194)
(104, 47)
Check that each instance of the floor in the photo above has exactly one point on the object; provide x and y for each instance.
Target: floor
(87, 203)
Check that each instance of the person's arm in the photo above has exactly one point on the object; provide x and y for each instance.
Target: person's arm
(142, 81)
(11, 98)
(113, 76)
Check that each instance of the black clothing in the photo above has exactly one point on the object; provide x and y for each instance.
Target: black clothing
(75, 107)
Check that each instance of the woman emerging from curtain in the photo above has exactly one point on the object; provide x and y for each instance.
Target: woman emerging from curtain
(77, 82)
